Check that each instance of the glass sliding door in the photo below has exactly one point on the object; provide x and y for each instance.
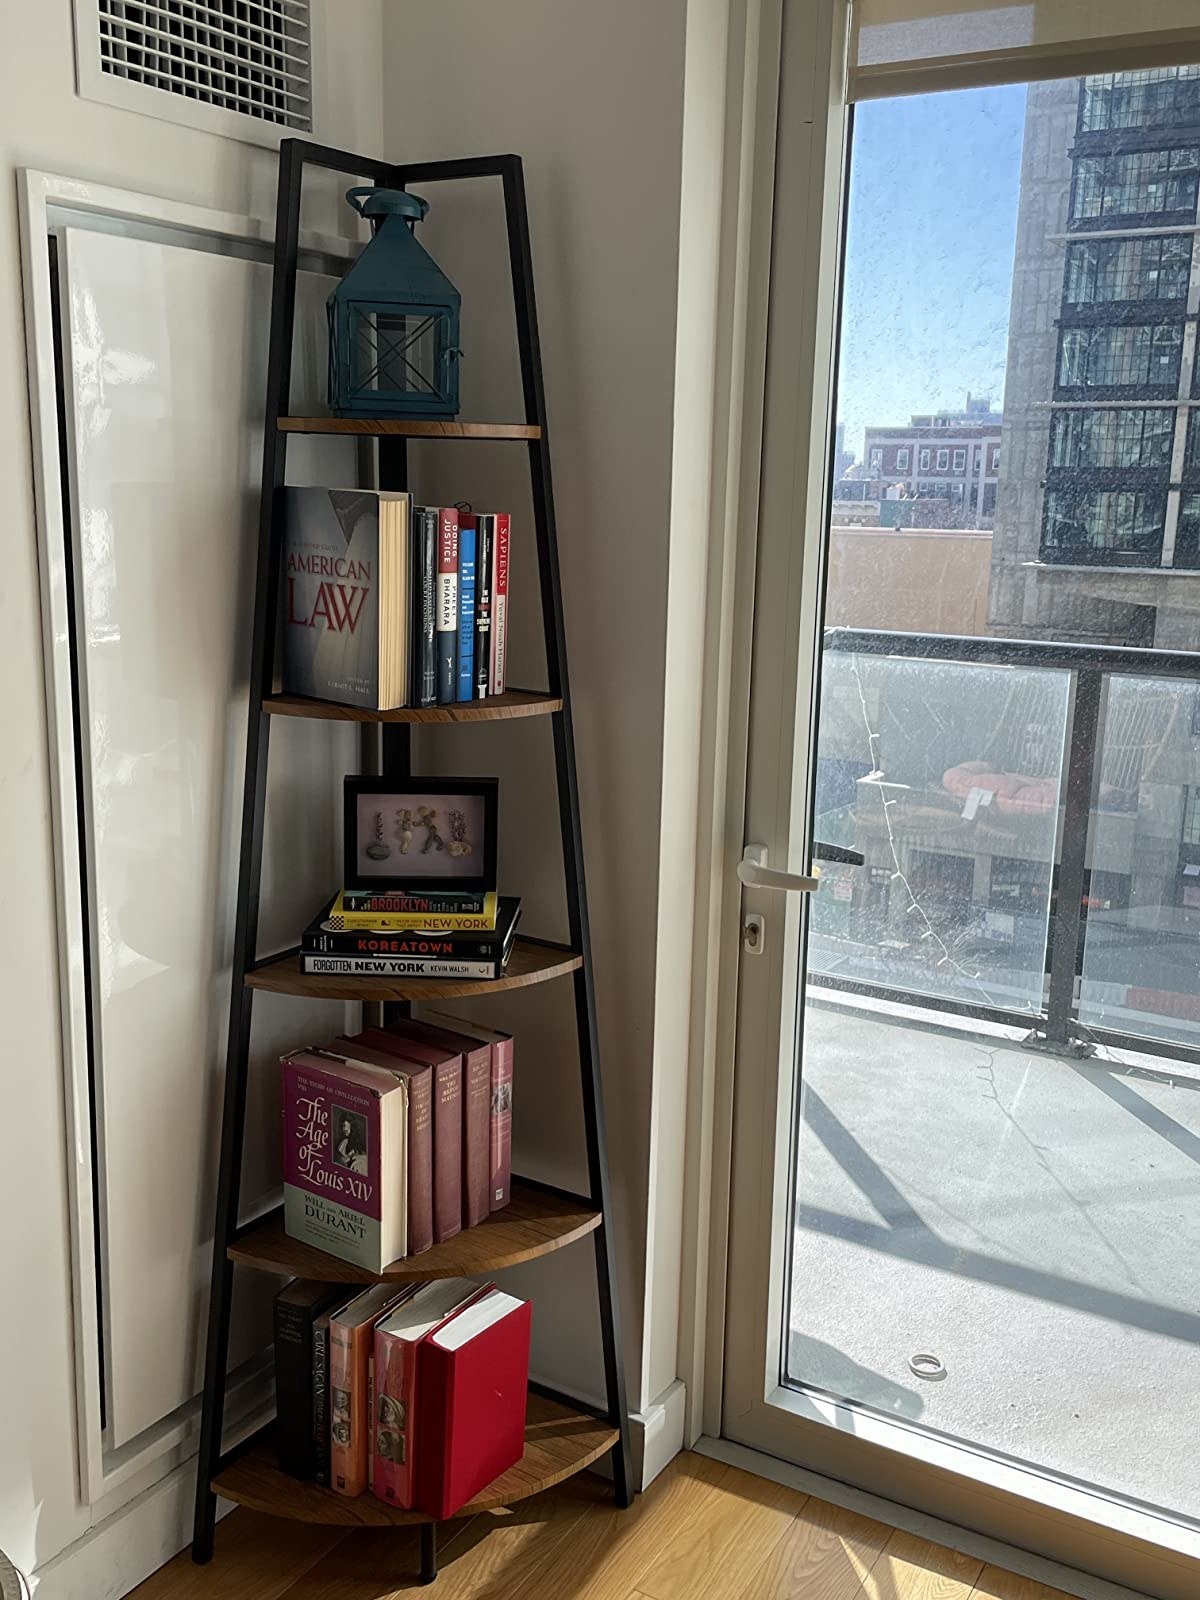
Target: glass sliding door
(985, 1206)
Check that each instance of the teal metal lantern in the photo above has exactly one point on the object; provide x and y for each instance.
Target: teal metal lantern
(393, 320)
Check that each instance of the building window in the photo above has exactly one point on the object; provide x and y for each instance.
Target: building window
(1161, 97)
(943, 460)
(960, 461)
(876, 460)
(1191, 815)
(902, 458)
(1133, 355)
(924, 467)
(1187, 537)
(1105, 271)
(995, 468)
(1191, 457)
(1112, 438)
(1116, 527)
(1142, 183)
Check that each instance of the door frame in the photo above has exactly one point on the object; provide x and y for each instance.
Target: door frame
(782, 200)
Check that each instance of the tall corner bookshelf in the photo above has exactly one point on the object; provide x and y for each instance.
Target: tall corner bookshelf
(562, 1435)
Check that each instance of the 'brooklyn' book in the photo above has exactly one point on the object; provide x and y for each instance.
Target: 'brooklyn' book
(345, 1157)
(345, 596)
(406, 903)
(342, 915)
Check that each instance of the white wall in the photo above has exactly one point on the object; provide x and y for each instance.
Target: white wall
(43, 125)
(593, 99)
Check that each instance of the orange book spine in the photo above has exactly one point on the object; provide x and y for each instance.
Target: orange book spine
(349, 1412)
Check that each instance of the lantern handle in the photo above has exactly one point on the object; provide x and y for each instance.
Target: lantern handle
(369, 201)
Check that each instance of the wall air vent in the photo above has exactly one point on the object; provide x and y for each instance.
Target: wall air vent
(251, 58)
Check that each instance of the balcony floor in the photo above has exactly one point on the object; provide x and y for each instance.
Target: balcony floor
(1033, 1222)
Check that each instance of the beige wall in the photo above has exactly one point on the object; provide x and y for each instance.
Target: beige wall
(44, 125)
(908, 582)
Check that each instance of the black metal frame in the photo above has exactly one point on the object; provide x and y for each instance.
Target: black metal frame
(294, 155)
(1056, 1029)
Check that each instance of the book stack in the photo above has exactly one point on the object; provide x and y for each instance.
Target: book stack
(397, 1138)
(386, 604)
(372, 934)
(417, 1393)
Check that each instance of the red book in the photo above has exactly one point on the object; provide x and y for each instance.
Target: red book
(398, 1403)
(351, 1337)
(447, 1120)
(473, 1377)
(420, 1133)
(500, 1103)
(499, 632)
(476, 1109)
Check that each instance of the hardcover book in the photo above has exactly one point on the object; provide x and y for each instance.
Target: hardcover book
(446, 626)
(498, 675)
(485, 540)
(403, 967)
(411, 902)
(297, 1308)
(396, 1419)
(447, 1068)
(476, 1120)
(327, 935)
(344, 914)
(351, 1349)
(500, 1133)
(320, 1392)
(345, 584)
(466, 608)
(472, 1382)
(425, 546)
(420, 1133)
(345, 1159)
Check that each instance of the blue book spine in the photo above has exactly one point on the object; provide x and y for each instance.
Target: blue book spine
(466, 613)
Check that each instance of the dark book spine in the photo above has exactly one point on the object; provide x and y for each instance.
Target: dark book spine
(427, 549)
(320, 1400)
(402, 966)
(449, 904)
(484, 541)
(447, 1149)
(293, 1388)
(432, 946)
(477, 1096)
(420, 1161)
(447, 608)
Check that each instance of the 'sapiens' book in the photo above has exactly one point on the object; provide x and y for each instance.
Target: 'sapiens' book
(447, 1068)
(485, 539)
(346, 914)
(472, 1384)
(446, 625)
(420, 1134)
(351, 1350)
(425, 546)
(466, 607)
(345, 596)
(297, 1308)
(498, 675)
(500, 1141)
(345, 1157)
(476, 1119)
(396, 1417)
(409, 902)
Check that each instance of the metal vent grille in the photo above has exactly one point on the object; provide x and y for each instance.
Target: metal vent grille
(248, 56)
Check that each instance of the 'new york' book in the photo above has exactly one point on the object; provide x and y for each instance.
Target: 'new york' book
(324, 937)
(345, 1136)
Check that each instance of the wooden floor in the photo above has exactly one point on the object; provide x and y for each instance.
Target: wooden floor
(702, 1531)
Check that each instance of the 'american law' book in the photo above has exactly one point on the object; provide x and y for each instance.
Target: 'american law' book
(345, 596)
(345, 1157)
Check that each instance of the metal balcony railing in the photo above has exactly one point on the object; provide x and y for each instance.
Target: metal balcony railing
(1029, 818)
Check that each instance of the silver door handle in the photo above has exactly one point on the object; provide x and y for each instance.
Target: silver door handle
(755, 874)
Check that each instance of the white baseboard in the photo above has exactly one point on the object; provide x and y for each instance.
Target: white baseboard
(119, 1553)
(656, 1434)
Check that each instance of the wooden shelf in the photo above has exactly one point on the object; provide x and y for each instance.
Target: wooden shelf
(497, 708)
(558, 1443)
(534, 1223)
(401, 428)
(530, 962)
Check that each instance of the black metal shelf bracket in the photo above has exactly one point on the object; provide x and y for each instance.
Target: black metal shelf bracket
(294, 156)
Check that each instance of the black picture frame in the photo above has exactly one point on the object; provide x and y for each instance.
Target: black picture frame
(411, 869)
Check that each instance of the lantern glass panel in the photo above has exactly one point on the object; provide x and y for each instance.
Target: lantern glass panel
(399, 351)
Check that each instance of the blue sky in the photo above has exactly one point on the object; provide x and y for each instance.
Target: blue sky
(929, 254)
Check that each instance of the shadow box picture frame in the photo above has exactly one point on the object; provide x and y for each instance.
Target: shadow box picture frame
(420, 835)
